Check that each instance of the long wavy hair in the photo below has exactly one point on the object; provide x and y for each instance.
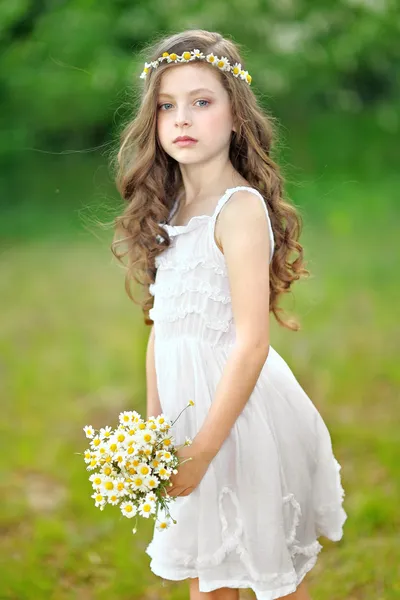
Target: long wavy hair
(149, 180)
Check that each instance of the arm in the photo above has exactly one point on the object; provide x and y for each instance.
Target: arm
(153, 400)
(244, 237)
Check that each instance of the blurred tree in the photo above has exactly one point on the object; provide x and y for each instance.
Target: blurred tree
(67, 67)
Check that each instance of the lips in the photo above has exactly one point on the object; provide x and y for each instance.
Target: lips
(184, 138)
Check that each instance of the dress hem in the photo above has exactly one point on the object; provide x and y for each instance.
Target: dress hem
(188, 573)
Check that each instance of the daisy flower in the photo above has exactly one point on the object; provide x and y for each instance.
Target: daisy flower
(146, 436)
(151, 497)
(89, 431)
(96, 480)
(109, 486)
(105, 432)
(163, 472)
(99, 499)
(167, 456)
(113, 499)
(236, 69)
(126, 417)
(211, 58)
(128, 509)
(223, 64)
(120, 486)
(138, 484)
(151, 482)
(197, 54)
(186, 57)
(188, 441)
(164, 524)
(143, 469)
(147, 508)
(96, 441)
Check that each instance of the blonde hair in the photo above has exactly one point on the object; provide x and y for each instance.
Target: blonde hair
(150, 180)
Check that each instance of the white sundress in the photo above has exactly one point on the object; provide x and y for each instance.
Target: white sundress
(274, 487)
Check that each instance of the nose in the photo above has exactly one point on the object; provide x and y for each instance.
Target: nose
(182, 118)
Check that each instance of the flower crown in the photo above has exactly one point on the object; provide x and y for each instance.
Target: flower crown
(221, 63)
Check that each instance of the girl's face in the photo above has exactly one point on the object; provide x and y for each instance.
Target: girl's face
(192, 102)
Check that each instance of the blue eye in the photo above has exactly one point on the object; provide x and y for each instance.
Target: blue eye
(206, 101)
(165, 104)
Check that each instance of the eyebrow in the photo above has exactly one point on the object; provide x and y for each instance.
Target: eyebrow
(191, 93)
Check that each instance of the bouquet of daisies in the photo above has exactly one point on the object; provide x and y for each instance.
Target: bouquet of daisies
(132, 464)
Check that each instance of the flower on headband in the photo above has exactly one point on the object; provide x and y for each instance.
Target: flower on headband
(221, 62)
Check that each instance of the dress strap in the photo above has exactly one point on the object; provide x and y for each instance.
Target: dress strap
(228, 194)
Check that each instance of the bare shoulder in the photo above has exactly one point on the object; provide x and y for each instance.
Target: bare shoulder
(243, 211)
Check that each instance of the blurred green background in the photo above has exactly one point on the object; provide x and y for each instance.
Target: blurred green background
(72, 343)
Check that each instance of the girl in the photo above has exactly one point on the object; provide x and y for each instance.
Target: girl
(212, 238)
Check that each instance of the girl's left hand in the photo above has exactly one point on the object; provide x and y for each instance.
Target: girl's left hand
(189, 474)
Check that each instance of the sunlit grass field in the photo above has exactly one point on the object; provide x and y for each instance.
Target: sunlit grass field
(73, 352)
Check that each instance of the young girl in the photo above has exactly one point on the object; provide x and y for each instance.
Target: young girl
(212, 240)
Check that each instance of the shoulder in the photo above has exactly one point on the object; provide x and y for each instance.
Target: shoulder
(244, 211)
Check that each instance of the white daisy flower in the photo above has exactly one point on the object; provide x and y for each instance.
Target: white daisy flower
(87, 456)
(89, 431)
(186, 56)
(146, 509)
(197, 54)
(95, 443)
(94, 463)
(99, 499)
(108, 470)
(120, 486)
(138, 484)
(96, 479)
(108, 486)
(188, 441)
(223, 64)
(146, 436)
(128, 509)
(164, 472)
(167, 456)
(173, 57)
(151, 482)
(164, 56)
(126, 417)
(154, 64)
(211, 58)
(143, 469)
(163, 524)
(113, 499)
(151, 497)
(105, 433)
(236, 69)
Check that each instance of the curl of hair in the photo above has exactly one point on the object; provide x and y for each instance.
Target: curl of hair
(149, 180)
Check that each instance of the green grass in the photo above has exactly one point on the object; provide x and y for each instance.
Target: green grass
(73, 352)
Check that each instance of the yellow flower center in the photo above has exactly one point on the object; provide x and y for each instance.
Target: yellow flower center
(113, 447)
(142, 425)
(109, 485)
(113, 498)
(138, 481)
(132, 471)
(163, 472)
(212, 58)
(128, 508)
(144, 470)
(126, 418)
(107, 470)
(186, 55)
(99, 498)
(147, 437)
(155, 463)
(173, 56)
(165, 54)
(220, 64)
(163, 525)
(146, 508)
(93, 462)
(136, 462)
(235, 70)
(131, 450)
(120, 486)
(96, 442)
(248, 78)
(167, 442)
(121, 437)
(97, 481)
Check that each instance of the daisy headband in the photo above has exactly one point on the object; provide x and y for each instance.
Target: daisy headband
(221, 63)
